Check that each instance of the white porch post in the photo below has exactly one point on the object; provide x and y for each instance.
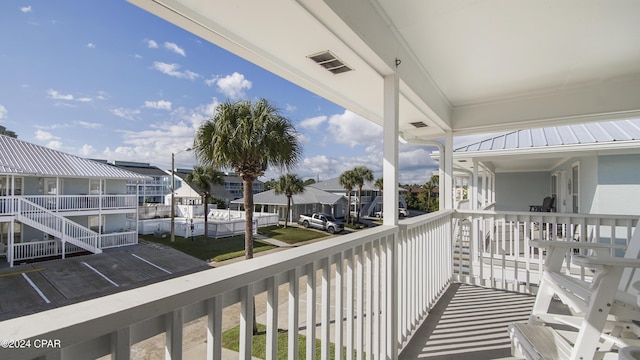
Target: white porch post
(474, 191)
(448, 170)
(493, 187)
(390, 208)
(390, 154)
(10, 250)
(485, 185)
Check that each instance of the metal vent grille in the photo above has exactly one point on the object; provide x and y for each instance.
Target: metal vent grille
(419, 124)
(329, 61)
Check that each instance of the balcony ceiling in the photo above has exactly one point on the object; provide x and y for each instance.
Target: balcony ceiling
(466, 66)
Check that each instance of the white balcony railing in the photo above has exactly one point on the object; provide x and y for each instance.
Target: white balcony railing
(367, 291)
(116, 239)
(40, 249)
(82, 202)
(492, 248)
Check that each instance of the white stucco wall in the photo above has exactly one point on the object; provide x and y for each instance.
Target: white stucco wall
(516, 191)
(618, 189)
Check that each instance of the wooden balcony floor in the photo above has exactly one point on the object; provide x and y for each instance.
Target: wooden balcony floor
(469, 322)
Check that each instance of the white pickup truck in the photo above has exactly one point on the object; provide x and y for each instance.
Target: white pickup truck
(321, 221)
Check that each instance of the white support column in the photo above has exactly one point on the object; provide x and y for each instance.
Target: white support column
(390, 154)
(121, 344)
(475, 190)
(173, 343)
(493, 187)
(448, 170)
(11, 250)
(485, 186)
(214, 329)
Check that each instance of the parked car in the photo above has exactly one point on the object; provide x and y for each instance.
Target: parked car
(402, 212)
(321, 221)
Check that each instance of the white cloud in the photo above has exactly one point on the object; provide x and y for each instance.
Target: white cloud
(160, 104)
(290, 108)
(172, 70)
(3, 112)
(88, 125)
(352, 129)
(54, 94)
(313, 123)
(91, 45)
(152, 44)
(45, 135)
(50, 140)
(129, 114)
(174, 48)
(26, 9)
(87, 150)
(233, 86)
(155, 144)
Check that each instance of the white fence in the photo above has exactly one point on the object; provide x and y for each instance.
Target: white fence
(39, 249)
(218, 224)
(118, 239)
(366, 292)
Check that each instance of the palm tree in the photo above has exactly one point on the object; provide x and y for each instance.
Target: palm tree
(378, 184)
(203, 177)
(428, 187)
(348, 181)
(361, 175)
(248, 137)
(289, 184)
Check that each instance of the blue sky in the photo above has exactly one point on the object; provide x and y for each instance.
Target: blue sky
(107, 80)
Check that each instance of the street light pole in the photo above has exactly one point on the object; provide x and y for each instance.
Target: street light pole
(173, 194)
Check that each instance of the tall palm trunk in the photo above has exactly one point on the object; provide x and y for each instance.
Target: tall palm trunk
(286, 216)
(359, 205)
(247, 185)
(349, 210)
(248, 235)
(206, 217)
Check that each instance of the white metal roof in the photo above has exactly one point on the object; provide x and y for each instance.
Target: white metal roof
(333, 185)
(20, 157)
(541, 149)
(310, 195)
(566, 135)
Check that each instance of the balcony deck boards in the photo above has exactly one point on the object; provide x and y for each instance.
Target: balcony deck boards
(469, 322)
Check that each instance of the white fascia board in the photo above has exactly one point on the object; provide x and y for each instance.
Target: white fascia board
(611, 100)
(562, 149)
(365, 19)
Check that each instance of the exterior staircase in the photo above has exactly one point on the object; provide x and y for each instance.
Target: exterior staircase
(51, 223)
(372, 206)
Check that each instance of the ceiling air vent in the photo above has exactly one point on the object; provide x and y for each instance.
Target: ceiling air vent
(419, 124)
(329, 61)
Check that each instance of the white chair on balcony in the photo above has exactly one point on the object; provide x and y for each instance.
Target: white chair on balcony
(603, 310)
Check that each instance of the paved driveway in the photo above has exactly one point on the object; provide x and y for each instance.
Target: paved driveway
(39, 286)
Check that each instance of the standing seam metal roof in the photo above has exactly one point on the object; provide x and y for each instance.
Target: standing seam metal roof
(591, 133)
(20, 157)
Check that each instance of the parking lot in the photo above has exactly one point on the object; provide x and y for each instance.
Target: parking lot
(39, 286)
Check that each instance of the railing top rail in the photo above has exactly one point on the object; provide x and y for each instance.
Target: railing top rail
(89, 319)
(527, 214)
(426, 217)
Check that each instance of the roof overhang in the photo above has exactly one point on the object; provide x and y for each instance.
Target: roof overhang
(464, 66)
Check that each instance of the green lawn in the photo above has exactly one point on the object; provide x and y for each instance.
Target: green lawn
(291, 234)
(232, 247)
(210, 249)
(231, 342)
